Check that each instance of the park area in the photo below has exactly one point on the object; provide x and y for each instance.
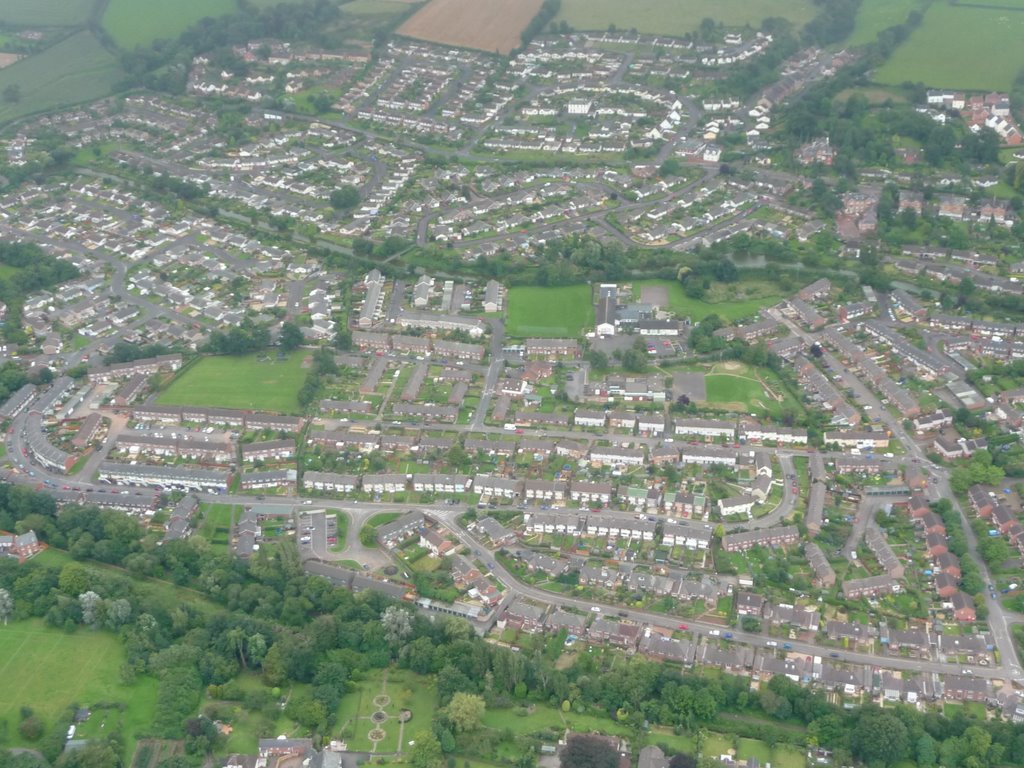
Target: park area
(966, 45)
(493, 26)
(735, 386)
(139, 22)
(563, 312)
(249, 382)
(48, 669)
(678, 17)
(380, 712)
(730, 301)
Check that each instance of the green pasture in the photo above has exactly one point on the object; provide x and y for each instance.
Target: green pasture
(45, 13)
(875, 15)
(140, 22)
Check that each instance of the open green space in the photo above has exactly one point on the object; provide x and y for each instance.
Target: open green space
(375, 7)
(139, 22)
(875, 15)
(216, 525)
(960, 46)
(75, 70)
(738, 387)
(677, 17)
(49, 669)
(45, 13)
(259, 382)
(698, 309)
(562, 312)
(404, 690)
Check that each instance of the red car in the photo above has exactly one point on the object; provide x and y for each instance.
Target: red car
(683, 626)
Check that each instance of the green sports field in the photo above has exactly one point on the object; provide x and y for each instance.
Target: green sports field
(563, 312)
(138, 22)
(677, 17)
(251, 382)
(961, 46)
(49, 669)
(734, 386)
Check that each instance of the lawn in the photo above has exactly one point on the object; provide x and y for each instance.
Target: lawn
(698, 309)
(875, 15)
(677, 17)
(563, 312)
(216, 525)
(49, 669)
(249, 382)
(729, 389)
(959, 46)
(734, 386)
(139, 22)
(46, 13)
(75, 70)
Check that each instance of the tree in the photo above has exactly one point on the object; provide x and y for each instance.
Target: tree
(291, 337)
(426, 751)
(118, 613)
(344, 198)
(397, 624)
(6, 605)
(466, 710)
(90, 604)
(880, 737)
(586, 751)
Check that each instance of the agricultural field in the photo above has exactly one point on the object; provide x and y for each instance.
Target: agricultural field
(679, 17)
(494, 26)
(255, 382)
(49, 669)
(376, 7)
(73, 71)
(961, 46)
(139, 22)
(734, 386)
(46, 13)
(875, 15)
(563, 312)
(732, 307)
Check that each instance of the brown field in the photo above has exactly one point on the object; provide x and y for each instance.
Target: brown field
(485, 25)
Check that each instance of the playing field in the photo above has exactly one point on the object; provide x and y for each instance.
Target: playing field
(251, 382)
(48, 669)
(734, 386)
(549, 312)
(485, 25)
(961, 46)
(74, 70)
(138, 22)
(875, 15)
(45, 13)
(677, 17)
(698, 309)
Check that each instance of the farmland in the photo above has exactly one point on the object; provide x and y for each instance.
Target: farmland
(678, 17)
(875, 15)
(553, 312)
(75, 70)
(249, 382)
(46, 13)
(961, 46)
(49, 669)
(730, 309)
(138, 22)
(483, 25)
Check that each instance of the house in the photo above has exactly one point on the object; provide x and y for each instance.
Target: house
(824, 574)
(963, 607)
(749, 604)
(870, 586)
(737, 505)
(20, 545)
(525, 616)
(397, 531)
(436, 543)
(946, 586)
(765, 537)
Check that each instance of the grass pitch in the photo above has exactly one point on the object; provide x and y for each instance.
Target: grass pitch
(48, 669)
(563, 312)
(253, 382)
(677, 17)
